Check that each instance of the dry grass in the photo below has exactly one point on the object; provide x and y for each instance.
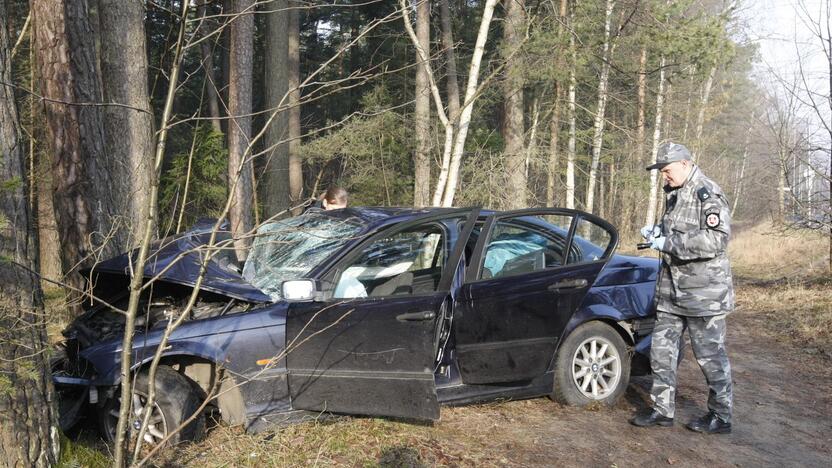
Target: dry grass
(343, 441)
(765, 251)
(798, 312)
(783, 277)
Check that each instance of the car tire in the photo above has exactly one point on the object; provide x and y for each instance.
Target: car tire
(176, 399)
(580, 378)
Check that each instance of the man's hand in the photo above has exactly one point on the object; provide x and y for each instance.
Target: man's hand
(658, 243)
(648, 232)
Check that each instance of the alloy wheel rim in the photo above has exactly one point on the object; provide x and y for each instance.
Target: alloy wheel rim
(156, 428)
(596, 368)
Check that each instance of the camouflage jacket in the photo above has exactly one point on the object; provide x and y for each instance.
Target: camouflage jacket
(696, 275)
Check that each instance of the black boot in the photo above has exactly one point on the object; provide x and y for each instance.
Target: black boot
(710, 424)
(650, 418)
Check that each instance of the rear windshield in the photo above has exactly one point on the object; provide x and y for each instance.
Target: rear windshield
(291, 248)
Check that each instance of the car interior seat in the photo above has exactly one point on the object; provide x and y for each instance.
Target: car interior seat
(399, 284)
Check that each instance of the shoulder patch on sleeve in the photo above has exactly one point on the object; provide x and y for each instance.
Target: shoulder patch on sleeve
(712, 219)
(703, 194)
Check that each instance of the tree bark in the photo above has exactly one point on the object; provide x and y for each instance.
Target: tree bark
(513, 122)
(598, 126)
(83, 197)
(295, 162)
(207, 50)
(273, 186)
(451, 82)
(28, 420)
(128, 132)
(650, 216)
(421, 158)
(239, 131)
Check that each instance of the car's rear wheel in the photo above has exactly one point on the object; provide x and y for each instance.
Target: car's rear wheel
(593, 365)
(174, 402)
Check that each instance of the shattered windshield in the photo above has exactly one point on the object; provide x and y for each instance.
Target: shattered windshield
(291, 248)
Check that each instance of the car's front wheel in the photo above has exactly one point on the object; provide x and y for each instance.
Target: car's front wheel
(175, 401)
(593, 365)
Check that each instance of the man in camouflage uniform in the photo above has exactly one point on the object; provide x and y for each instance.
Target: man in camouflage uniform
(694, 290)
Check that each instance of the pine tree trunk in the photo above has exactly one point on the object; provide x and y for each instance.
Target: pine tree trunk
(239, 130)
(513, 123)
(650, 216)
(421, 158)
(128, 132)
(295, 162)
(74, 134)
(598, 133)
(28, 420)
(273, 186)
(206, 48)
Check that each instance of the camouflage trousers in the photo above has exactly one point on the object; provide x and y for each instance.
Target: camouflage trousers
(707, 337)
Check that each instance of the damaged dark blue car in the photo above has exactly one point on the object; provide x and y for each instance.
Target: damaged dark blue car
(370, 311)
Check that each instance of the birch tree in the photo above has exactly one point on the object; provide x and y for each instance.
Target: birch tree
(454, 143)
(652, 201)
(598, 132)
(571, 115)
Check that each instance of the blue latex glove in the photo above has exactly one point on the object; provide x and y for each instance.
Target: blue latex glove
(658, 243)
(650, 231)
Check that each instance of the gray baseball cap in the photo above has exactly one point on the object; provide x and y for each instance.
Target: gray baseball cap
(669, 153)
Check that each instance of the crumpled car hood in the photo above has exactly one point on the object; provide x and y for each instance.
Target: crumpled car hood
(178, 260)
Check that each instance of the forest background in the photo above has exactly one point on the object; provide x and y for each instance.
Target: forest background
(248, 109)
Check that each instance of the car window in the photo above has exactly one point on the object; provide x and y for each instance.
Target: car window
(590, 242)
(291, 248)
(404, 263)
(526, 244)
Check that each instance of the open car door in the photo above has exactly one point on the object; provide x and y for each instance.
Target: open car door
(529, 273)
(371, 345)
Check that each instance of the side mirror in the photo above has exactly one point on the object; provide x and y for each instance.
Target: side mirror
(299, 290)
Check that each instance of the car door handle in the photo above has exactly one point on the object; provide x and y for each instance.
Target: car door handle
(578, 283)
(416, 316)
